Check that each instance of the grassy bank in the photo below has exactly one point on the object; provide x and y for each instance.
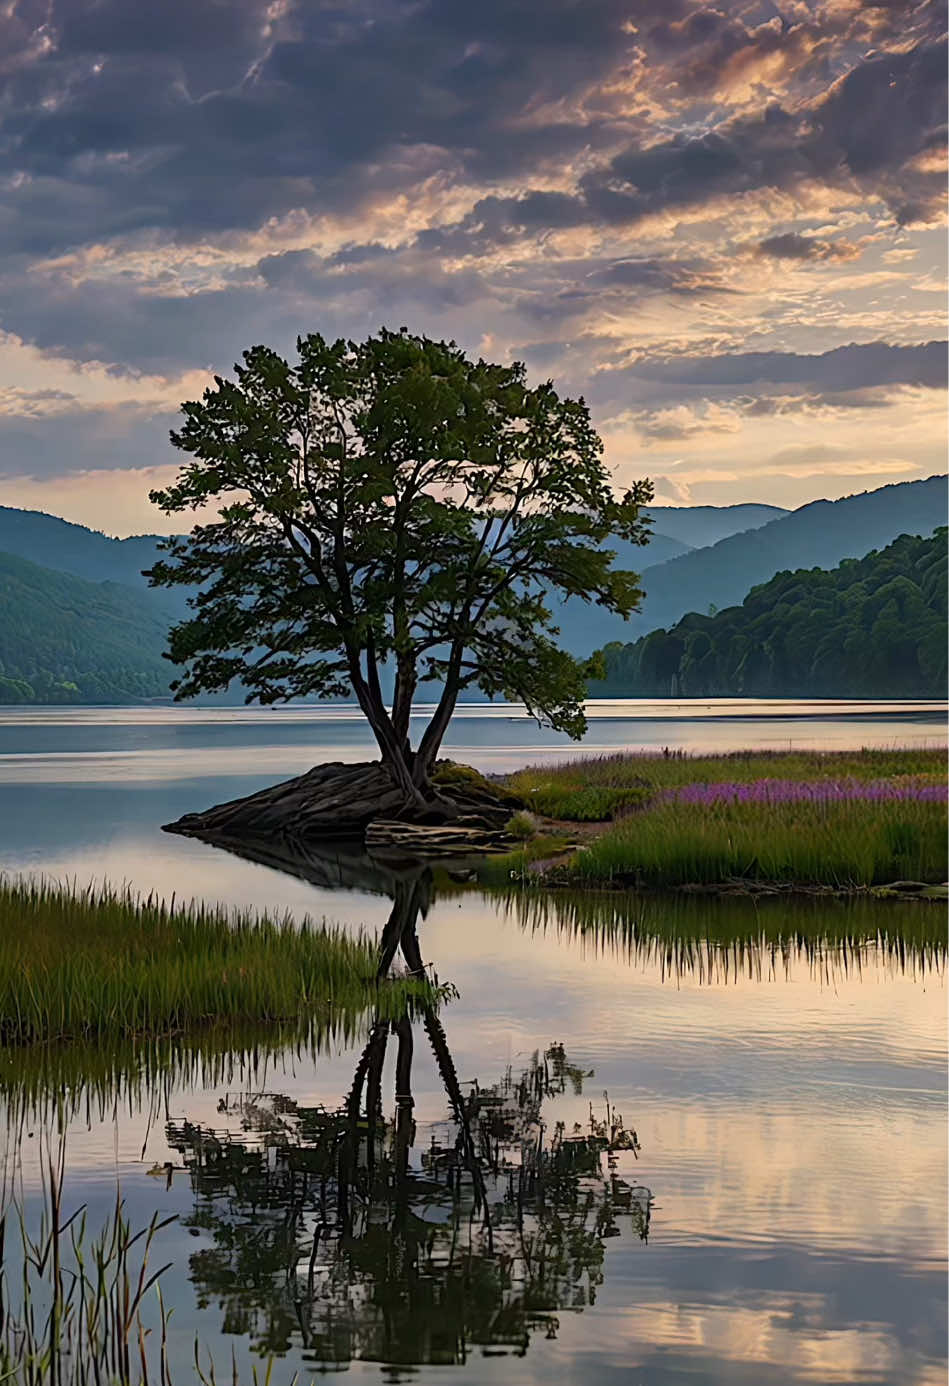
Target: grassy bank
(100, 964)
(841, 844)
(844, 820)
(604, 787)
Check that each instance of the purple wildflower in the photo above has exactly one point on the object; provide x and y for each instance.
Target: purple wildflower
(810, 792)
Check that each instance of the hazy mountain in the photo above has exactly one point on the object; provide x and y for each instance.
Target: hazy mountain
(105, 639)
(69, 548)
(817, 535)
(701, 525)
(871, 627)
(65, 640)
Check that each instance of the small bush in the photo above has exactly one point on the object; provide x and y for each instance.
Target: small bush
(522, 826)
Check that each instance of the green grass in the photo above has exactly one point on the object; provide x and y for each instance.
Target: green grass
(604, 787)
(504, 867)
(842, 844)
(100, 964)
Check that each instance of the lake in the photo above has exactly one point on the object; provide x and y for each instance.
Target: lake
(779, 1215)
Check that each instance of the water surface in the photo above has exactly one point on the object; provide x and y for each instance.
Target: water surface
(780, 1218)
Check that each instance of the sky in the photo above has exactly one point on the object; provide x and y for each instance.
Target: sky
(724, 226)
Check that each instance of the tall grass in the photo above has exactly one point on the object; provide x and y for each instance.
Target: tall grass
(101, 964)
(603, 787)
(842, 843)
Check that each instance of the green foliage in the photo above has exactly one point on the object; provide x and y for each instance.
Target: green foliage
(872, 627)
(503, 867)
(591, 804)
(63, 640)
(600, 787)
(392, 503)
(522, 826)
(101, 964)
(845, 844)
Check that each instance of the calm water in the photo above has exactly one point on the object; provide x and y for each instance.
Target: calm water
(783, 1218)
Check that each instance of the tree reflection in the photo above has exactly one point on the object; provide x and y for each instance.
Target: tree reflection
(336, 1229)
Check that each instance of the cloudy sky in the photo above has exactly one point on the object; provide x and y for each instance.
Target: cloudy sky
(723, 225)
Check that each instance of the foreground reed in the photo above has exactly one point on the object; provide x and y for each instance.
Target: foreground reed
(85, 1308)
(101, 964)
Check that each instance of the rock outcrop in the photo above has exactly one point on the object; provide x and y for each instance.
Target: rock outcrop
(361, 802)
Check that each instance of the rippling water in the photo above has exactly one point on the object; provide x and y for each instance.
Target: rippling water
(784, 1069)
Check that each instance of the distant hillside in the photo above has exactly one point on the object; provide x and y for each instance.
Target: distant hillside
(65, 640)
(871, 627)
(676, 531)
(820, 534)
(582, 625)
(701, 525)
(54, 543)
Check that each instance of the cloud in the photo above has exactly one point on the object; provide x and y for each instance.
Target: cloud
(609, 194)
(865, 136)
(845, 368)
(793, 246)
(665, 425)
(40, 444)
(670, 488)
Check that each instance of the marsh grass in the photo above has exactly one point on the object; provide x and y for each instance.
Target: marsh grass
(604, 787)
(93, 1083)
(502, 868)
(101, 964)
(844, 844)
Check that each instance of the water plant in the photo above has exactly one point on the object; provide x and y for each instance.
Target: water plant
(101, 963)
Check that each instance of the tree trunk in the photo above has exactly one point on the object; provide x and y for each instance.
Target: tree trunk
(434, 734)
(392, 753)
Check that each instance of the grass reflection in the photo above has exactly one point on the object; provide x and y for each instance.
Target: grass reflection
(716, 939)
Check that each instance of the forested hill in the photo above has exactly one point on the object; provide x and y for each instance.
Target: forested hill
(70, 548)
(820, 534)
(871, 627)
(64, 640)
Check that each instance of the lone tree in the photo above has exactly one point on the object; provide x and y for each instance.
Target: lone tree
(392, 509)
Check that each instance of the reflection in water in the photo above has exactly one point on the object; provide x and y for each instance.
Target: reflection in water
(704, 937)
(794, 1133)
(324, 1227)
(713, 939)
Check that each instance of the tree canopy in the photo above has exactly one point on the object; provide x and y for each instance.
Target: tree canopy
(871, 627)
(392, 503)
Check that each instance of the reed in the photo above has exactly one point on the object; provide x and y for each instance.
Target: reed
(604, 787)
(85, 1308)
(101, 964)
(844, 843)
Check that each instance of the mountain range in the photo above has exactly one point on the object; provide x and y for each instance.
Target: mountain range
(877, 622)
(78, 622)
